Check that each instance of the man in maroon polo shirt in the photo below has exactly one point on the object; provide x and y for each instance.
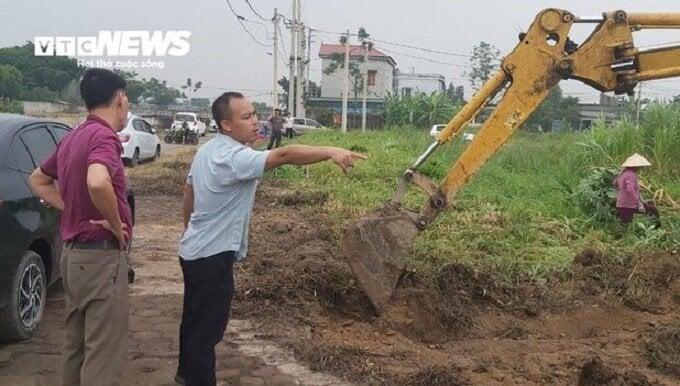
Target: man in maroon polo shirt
(85, 179)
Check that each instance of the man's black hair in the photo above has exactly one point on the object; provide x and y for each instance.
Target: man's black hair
(221, 107)
(99, 86)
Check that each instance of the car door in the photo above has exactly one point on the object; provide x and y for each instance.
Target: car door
(18, 199)
(299, 125)
(312, 124)
(151, 138)
(39, 144)
(142, 138)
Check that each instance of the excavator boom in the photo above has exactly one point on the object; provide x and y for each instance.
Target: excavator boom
(375, 246)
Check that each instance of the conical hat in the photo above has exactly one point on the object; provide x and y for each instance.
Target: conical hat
(636, 161)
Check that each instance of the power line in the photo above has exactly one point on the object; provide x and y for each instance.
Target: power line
(440, 52)
(254, 11)
(430, 50)
(426, 59)
(240, 20)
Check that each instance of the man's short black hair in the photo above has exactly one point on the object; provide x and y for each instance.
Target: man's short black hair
(221, 107)
(98, 87)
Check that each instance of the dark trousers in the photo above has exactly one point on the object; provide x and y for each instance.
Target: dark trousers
(626, 214)
(289, 133)
(275, 138)
(208, 289)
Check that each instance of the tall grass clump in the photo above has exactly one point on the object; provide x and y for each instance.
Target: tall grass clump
(657, 138)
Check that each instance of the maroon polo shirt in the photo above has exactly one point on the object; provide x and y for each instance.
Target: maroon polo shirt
(92, 142)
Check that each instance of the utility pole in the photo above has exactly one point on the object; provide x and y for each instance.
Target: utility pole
(293, 64)
(299, 82)
(367, 47)
(345, 91)
(309, 60)
(275, 92)
(637, 109)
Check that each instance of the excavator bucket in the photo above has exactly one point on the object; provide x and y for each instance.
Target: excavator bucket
(375, 247)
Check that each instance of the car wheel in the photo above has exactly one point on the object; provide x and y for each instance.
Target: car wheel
(134, 161)
(158, 152)
(26, 300)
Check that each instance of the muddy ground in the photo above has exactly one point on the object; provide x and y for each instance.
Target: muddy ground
(612, 320)
(466, 328)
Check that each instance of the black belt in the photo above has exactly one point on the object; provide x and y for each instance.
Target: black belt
(102, 244)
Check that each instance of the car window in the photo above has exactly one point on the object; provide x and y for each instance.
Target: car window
(138, 125)
(184, 117)
(147, 127)
(22, 160)
(39, 143)
(299, 121)
(312, 122)
(58, 131)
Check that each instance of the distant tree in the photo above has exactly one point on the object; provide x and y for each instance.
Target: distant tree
(284, 83)
(11, 80)
(160, 93)
(262, 109)
(459, 95)
(556, 107)
(314, 91)
(200, 102)
(456, 94)
(484, 61)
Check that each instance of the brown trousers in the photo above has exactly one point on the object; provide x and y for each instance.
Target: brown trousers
(96, 293)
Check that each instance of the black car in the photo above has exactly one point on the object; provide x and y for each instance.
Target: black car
(30, 245)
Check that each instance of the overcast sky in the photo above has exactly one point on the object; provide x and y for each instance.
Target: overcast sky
(223, 56)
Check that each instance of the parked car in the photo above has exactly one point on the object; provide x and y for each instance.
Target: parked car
(436, 129)
(302, 125)
(139, 140)
(30, 245)
(192, 121)
(212, 126)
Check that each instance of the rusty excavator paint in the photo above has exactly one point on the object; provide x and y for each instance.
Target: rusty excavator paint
(376, 246)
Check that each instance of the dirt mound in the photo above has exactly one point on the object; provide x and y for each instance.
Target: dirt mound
(416, 313)
(643, 283)
(353, 361)
(597, 373)
(167, 176)
(436, 376)
(663, 350)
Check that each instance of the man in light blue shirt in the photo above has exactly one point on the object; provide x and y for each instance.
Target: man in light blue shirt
(218, 202)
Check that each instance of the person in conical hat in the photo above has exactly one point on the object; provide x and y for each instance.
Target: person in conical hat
(628, 199)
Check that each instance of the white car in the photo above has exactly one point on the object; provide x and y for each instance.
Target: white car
(192, 121)
(301, 125)
(139, 141)
(212, 126)
(436, 129)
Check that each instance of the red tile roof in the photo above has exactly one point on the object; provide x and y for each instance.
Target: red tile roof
(326, 50)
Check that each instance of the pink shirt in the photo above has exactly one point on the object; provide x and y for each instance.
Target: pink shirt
(628, 190)
(93, 141)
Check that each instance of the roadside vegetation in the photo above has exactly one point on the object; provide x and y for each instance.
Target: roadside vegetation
(540, 201)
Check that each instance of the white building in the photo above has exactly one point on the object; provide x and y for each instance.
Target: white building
(412, 83)
(380, 67)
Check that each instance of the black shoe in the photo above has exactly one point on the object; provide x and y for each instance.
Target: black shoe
(179, 379)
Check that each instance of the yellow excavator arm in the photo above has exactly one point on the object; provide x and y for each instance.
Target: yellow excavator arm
(607, 60)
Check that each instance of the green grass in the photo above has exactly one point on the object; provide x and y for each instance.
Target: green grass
(517, 215)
